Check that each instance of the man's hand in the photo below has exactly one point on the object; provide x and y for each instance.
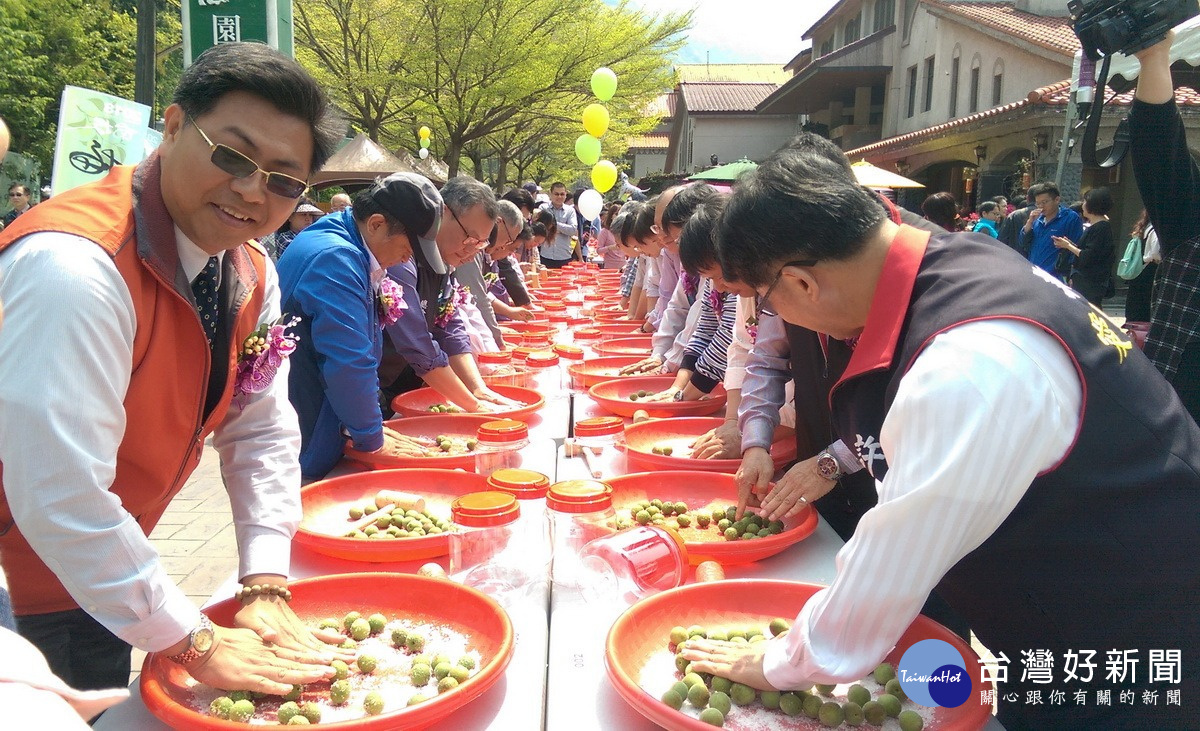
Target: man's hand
(521, 314)
(240, 660)
(724, 442)
(488, 396)
(741, 663)
(753, 475)
(272, 619)
(645, 365)
(396, 444)
(801, 486)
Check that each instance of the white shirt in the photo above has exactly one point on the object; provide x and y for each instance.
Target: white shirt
(984, 409)
(739, 350)
(676, 328)
(65, 363)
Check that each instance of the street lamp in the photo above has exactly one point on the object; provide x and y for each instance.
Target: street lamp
(980, 154)
(1041, 141)
(902, 166)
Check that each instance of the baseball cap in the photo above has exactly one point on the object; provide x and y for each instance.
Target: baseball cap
(532, 187)
(413, 201)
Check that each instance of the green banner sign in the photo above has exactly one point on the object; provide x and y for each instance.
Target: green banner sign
(207, 23)
(95, 132)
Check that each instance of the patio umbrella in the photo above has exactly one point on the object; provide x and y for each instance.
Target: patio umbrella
(875, 177)
(728, 172)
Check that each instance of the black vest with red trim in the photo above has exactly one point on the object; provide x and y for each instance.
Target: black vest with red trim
(1101, 552)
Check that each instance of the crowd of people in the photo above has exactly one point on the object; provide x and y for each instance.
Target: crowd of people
(999, 457)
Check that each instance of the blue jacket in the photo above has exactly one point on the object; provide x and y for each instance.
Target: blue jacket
(324, 278)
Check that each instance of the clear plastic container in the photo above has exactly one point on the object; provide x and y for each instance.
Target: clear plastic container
(568, 355)
(498, 445)
(488, 548)
(635, 563)
(587, 338)
(547, 375)
(490, 362)
(529, 487)
(601, 444)
(577, 512)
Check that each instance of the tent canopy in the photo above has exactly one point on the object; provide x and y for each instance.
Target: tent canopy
(729, 172)
(876, 177)
(362, 161)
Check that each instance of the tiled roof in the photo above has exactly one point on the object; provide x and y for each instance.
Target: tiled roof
(724, 97)
(663, 106)
(649, 142)
(739, 72)
(1056, 94)
(1046, 31)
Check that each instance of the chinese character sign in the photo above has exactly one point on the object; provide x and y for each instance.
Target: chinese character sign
(95, 132)
(207, 23)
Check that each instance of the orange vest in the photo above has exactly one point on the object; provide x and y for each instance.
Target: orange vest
(164, 405)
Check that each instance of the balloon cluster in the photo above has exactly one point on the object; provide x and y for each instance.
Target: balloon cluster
(424, 133)
(595, 122)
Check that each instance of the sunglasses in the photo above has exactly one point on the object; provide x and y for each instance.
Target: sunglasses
(764, 307)
(239, 166)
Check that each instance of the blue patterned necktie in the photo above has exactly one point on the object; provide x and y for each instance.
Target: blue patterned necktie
(204, 287)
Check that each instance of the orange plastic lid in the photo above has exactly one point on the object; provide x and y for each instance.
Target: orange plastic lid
(578, 321)
(675, 537)
(542, 359)
(496, 358)
(521, 484)
(599, 426)
(559, 317)
(554, 306)
(579, 496)
(485, 509)
(570, 352)
(522, 352)
(503, 430)
(587, 333)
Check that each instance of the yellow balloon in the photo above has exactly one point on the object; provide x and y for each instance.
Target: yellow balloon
(424, 132)
(595, 119)
(604, 176)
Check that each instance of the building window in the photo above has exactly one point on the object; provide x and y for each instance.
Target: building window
(953, 87)
(885, 13)
(974, 105)
(997, 89)
(852, 30)
(928, 84)
(827, 46)
(912, 90)
(910, 9)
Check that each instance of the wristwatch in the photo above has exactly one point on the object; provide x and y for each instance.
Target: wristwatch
(828, 467)
(199, 642)
(678, 396)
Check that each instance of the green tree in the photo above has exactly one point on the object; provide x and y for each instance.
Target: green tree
(45, 46)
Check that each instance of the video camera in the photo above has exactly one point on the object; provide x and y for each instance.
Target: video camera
(1106, 27)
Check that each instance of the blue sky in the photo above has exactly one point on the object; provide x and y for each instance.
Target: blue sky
(743, 31)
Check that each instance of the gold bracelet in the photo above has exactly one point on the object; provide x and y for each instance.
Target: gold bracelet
(245, 592)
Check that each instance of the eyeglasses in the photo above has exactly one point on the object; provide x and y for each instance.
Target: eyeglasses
(470, 241)
(239, 166)
(763, 307)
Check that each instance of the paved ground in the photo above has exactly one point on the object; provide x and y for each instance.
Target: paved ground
(195, 536)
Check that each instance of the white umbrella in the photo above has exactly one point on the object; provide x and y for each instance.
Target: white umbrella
(876, 177)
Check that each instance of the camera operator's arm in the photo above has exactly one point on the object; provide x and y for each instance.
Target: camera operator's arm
(1167, 179)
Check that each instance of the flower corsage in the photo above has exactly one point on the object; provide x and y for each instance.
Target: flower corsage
(716, 300)
(490, 278)
(262, 352)
(449, 303)
(391, 301)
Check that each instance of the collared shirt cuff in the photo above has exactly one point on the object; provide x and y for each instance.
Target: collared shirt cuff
(845, 456)
(757, 433)
(173, 621)
(369, 442)
(778, 667)
(263, 551)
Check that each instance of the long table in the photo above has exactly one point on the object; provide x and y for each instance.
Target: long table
(557, 679)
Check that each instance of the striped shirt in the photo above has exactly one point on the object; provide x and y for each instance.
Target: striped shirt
(705, 354)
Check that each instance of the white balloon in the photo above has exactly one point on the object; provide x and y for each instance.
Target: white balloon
(590, 203)
(424, 153)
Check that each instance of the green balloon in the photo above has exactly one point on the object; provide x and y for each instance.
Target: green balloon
(587, 149)
(425, 143)
(604, 83)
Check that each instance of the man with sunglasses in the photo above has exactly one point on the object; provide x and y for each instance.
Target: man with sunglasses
(18, 198)
(430, 346)
(130, 300)
(1030, 463)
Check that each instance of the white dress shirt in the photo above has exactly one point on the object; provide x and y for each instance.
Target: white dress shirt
(65, 365)
(984, 409)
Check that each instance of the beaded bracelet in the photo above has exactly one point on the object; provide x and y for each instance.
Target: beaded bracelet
(245, 592)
